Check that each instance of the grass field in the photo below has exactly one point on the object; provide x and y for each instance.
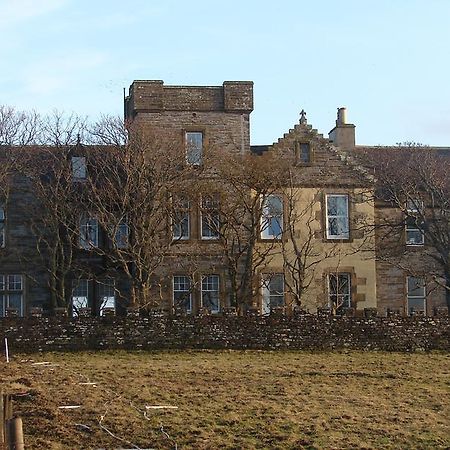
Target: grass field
(233, 400)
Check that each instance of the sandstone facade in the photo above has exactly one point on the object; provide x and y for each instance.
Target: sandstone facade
(328, 194)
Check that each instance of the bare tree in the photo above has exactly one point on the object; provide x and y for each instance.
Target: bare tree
(244, 184)
(60, 129)
(302, 252)
(56, 203)
(18, 128)
(53, 215)
(108, 130)
(129, 194)
(414, 181)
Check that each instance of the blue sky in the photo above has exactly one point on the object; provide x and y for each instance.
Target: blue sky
(387, 61)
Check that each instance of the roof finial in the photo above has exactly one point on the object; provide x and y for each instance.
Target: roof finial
(303, 117)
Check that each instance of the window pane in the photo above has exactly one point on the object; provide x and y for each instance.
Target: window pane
(210, 225)
(339, 289)
(210, 218)
(78, 303)
(273, 292)
(338, 226)
(210, 202)
(210, 292)
(416, 304)
(416, 287)
(15, 282)
(337, 216)
(121, 237)
(2, 282)
(182, 293)
(16, 301)
(194, 147)
(80, 295)
(272, 220)
(337, 205)
(80, 288)
(414, 236)
(106, 293)
(2, 305)
(304, 153)
(274, 227)
(181, 225)
(88, 233)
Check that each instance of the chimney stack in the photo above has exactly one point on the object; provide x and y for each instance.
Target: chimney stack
(343, 134)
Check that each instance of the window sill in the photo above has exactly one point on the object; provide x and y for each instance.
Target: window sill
(337, 240)
(268, 239)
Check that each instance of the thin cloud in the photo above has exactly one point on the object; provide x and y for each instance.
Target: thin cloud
(51, 75)
(14, 12)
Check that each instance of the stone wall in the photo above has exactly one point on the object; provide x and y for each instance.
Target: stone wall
(153, 95)
(305, 332)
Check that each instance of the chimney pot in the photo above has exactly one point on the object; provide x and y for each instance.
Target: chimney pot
(341, 116)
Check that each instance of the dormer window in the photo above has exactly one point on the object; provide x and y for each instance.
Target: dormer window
(79, 168)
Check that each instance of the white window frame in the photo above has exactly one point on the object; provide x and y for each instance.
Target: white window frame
(79, 168)
(106, 295)
(413, 230)
(420, 284)
(80, 295)
(345, 234)
(346, 297)
(268, 214)
(206, 288)
(194, 152)
(14, 283)
(270, 295)
(87, 223)
(177, 282)
(11, 286)
(182, 215)
(209, 213)
(2, 227)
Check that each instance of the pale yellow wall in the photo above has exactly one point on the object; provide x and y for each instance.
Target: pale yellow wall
(344, 259)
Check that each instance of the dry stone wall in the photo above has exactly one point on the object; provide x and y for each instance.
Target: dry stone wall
(306, 332)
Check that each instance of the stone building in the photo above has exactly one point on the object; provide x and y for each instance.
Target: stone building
(315, 236)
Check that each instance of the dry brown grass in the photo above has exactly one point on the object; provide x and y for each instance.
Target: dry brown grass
(234, 400)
